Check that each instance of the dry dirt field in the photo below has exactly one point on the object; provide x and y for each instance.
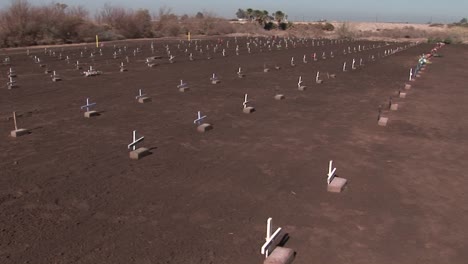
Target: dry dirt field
(70, 194)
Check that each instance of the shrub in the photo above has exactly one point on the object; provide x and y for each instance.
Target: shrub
(269, 26)
(283, 26)
(328, 27)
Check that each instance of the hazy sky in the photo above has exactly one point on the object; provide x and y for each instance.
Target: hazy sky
(363, 10)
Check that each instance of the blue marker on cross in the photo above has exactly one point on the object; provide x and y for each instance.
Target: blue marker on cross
(88, 105)
(199, 119)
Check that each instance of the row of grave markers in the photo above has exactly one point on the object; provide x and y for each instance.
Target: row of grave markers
(171, 57)
(92, 72)
(413, 74)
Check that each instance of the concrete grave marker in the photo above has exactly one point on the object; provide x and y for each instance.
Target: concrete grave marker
(18, 132)
(335, 184)
(55, 77)
(391, 105)
(183, 87)
(317, 78)
(89, 113)
(201, 126)
(247, 109)
(381, 121)
(91, 72)
(344, 66)
(292, 62)
(300, 86)
(279, 97)
(240, 74)
(122, 67)
(142, 98)
(139, 153)
(272, 240)
(214, 79)
(401, 94)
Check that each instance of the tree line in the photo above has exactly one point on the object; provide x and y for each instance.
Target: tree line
(24, 24)
(277, 19)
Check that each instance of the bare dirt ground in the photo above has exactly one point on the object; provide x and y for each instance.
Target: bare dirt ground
(70, 194)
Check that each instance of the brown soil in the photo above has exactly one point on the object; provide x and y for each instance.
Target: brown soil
(70, 194)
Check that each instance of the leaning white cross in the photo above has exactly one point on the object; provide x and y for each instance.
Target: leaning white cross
(171, 58)
(245, 101)
(317, 77)
(140, 94)
(299, 83)
(199, 119)
(411, 74)
(331, 172)
(135, 141)
(344, 66)
(14, 120)
(272, 240)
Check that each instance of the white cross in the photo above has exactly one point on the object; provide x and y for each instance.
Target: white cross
(299, 83)
(135, 141)
(199, 118)
(88, 105)
(269, 238)
(140, 94)
(245, 101)
(331, 172)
